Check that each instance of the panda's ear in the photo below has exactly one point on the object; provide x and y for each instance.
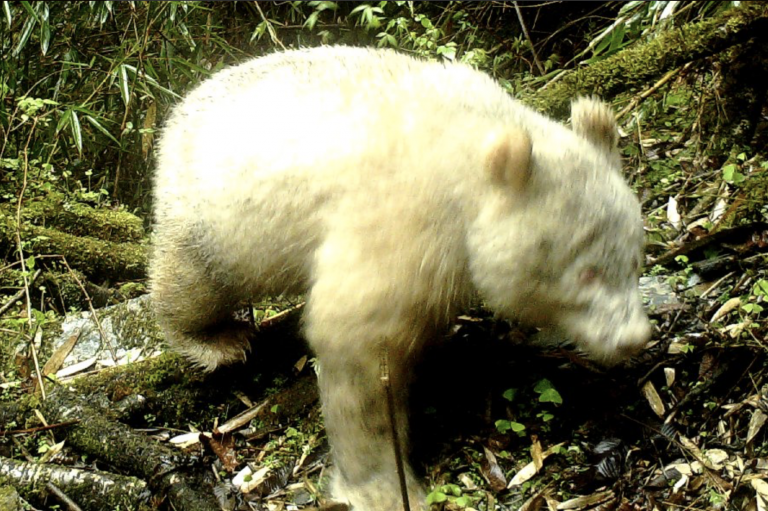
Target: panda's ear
(508, 158)
(595, 121)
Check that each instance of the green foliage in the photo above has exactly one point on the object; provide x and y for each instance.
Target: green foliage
(638, 19)
(450, 493)
(731, 174)
(85, 85)
(547, 392)
(503, 426)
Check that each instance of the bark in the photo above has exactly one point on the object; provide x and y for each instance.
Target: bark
(91, 490)
(97, 434)
(56, 212)
(99, 260)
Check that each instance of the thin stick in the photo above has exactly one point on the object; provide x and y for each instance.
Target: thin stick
(384, 375)
(270, 28)
(38, 339)
(664, 79)
(71, 505)
(39, 428)
(18, 296)
(95, 317)
(528, 38)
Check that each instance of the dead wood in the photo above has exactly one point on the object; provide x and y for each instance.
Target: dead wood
(99, 260)
(99, 435)
(90, 490)
(55, 211)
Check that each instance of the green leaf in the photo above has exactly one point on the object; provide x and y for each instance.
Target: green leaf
(322, 6)
(26, 31)
(122, 77)
(551, 396)
(510, 394)
(502, 426)
(760, 288)
(359, 8)
(312, 20)
(63, 121)
(8, 16)
(543, 385)
(30, 10)
(732, 175)
(45, 36)
(151, 81)
(102, 129)
(74, 124)
(436, 497)
(452, 489)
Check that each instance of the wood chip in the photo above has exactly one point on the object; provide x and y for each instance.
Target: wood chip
(587, 500)
(653, 398)
(727, 307)
(529, 470)
(57, 358)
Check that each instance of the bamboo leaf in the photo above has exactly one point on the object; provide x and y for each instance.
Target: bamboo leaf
(43, 11)
(28, 7)
(26, 31)
(122, 77)
(8, 16)
(96, 124)
(63, 121)
(45, 36)
(151, 81)
(74, 124)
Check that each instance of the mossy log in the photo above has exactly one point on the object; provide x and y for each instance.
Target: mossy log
(165, 469)
(55, 211)
(97, 259)
(90, 490)
(640, 64)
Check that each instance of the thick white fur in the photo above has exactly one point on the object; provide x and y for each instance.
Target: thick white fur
(391, 190)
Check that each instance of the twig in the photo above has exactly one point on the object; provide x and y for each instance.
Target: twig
(15, 298)
(22, 260)
(270, 28)
(71, 505)
(664, 79)
(384, 375)
(528, 38)
(103, 334)
(267, 322)
(39, 428)
(18, 224)
(38, 339)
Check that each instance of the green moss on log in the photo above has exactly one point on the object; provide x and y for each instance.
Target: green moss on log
(98, 260)
(639, 65)
(55, 211)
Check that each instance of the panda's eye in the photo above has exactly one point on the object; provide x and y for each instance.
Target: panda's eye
(590, 275)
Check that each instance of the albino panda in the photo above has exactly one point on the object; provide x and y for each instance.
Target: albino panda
(391, 191)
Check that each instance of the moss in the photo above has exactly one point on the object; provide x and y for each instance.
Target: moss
(56, 211)
(750, 202)
(639, 65)
(97, 259)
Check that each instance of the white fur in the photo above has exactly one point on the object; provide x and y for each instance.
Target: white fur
(363, 178)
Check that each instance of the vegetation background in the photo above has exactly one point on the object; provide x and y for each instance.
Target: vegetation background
(85, 86)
